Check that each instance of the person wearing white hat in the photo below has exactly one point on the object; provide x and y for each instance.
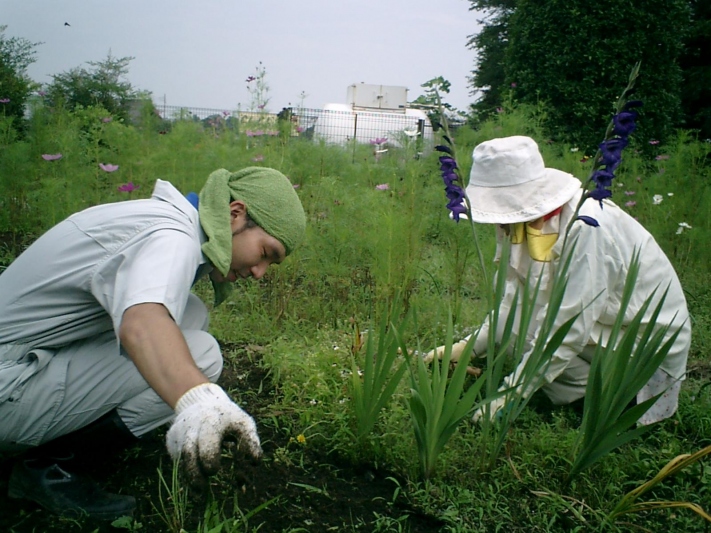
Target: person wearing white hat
(531, 206)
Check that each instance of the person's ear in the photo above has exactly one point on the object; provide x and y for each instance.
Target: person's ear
(238, 213)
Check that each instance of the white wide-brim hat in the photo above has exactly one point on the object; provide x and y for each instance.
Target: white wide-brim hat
(509, 183)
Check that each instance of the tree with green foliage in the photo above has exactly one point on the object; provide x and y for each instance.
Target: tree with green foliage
(574, 56)
(695, 63)
(104, 84)
(16, 54)
(490, 43)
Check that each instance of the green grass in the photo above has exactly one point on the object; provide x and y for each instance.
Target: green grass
(363, 247)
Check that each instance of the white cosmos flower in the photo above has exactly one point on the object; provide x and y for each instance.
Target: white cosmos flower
(682, 227)
(657, 199)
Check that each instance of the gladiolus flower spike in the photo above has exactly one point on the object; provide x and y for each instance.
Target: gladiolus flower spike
(452, 187)
(609, 155)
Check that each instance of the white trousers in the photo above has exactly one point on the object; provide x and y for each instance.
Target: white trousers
(85, 380)
(570, 386)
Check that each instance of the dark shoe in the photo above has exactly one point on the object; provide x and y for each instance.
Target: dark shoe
(62, 492)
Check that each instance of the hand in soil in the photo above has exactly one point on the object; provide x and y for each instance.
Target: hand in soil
(206, 418)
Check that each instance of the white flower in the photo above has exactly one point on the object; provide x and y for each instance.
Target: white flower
(682, 227)
(657, 199)
(411, 133)
(313, 402)
(670, 194)
(574, 149)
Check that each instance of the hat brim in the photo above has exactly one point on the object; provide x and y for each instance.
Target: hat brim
(522, 203)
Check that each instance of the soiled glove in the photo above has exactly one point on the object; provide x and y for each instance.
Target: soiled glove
(457, 350)
(494, 408)
(205, 418)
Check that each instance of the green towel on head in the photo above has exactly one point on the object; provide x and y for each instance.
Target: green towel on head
(271, 202)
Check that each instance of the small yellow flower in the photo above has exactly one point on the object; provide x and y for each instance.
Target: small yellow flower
(301, 439)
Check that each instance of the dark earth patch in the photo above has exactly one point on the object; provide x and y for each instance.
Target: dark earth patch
(319, 493)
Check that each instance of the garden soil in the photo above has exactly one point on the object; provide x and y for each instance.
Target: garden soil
(319, 493)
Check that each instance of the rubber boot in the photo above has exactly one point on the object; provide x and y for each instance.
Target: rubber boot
(47, 475)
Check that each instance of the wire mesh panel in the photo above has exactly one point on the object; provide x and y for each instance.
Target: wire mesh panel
(338, 124)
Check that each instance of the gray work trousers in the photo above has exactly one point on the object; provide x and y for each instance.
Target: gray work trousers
(83, 381)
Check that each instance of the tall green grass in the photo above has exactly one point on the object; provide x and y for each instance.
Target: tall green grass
(363, 246)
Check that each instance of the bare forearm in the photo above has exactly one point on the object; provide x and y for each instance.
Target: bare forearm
(157, 347)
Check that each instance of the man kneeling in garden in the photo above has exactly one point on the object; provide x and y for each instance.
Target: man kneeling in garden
(102, 341)
(531, 206)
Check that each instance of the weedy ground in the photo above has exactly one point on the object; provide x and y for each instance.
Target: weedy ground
(288, 340)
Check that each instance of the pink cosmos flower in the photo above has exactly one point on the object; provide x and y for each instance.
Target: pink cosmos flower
(513, 85)
(299, 129)
(296, 185)
(379, 140)
(108, 167)
(631, 203)
(653, 142)
(630, 193)
(4, 100)
(51, 157)
(106, 120)
(662, 157)
(225, 113)
(499, 109)
(382, 187)
(258, 158)
(250, 79)
(128, 187)
(261, 106)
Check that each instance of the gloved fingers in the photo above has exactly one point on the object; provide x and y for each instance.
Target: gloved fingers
(457, 351)
(430, 356)
(494, 409)
(183, 445)
(244, 431)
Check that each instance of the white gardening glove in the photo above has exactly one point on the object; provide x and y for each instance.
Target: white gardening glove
(205, 417)
(494, 407)
(457, 351)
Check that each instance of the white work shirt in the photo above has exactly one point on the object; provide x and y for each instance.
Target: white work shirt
(78, 279)
(597, 275)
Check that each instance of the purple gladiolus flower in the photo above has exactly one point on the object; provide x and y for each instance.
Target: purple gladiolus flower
(611, 152)
(602, 178)
(51, 157)
(128, 187)
(624, 123)
(108, 167)
(590, 221)
(599, 194)
(455, 194)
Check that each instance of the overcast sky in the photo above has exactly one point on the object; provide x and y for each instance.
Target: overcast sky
(199, 53)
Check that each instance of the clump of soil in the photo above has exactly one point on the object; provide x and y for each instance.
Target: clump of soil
(319, 494)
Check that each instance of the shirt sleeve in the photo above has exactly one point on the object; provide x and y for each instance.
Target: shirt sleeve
(155, 268)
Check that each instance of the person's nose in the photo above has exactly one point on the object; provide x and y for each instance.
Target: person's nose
(259, 270)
